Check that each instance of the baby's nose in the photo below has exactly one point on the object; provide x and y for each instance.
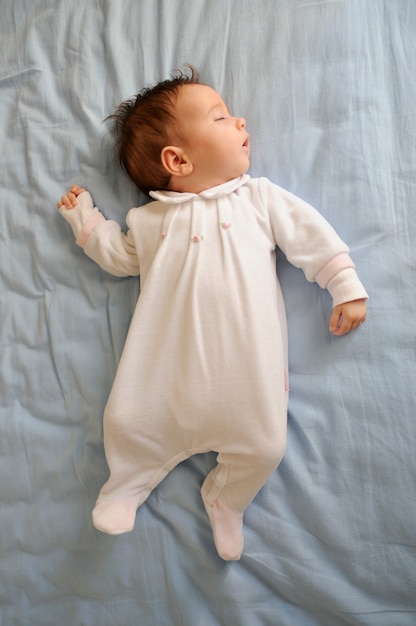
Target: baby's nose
(241, 122)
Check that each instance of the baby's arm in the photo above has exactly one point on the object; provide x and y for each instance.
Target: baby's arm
(311, 244)
(348, 316)
(102, 240)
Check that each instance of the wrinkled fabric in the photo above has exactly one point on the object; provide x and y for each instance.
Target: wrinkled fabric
(328, 92)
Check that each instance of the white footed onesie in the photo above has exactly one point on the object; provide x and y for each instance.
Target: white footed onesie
(204, 367)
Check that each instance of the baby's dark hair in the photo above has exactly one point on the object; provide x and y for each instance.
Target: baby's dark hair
(142, 128)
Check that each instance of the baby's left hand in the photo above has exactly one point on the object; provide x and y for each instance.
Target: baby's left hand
(348, 316)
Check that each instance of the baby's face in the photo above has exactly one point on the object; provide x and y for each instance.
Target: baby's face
(216, 143)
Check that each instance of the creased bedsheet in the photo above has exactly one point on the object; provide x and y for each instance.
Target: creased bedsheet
(328, 91)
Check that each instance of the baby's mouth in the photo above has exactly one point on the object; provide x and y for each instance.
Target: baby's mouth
(246, 143)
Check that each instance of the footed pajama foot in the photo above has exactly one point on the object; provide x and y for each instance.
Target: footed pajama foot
(227, 528)
(115, 516)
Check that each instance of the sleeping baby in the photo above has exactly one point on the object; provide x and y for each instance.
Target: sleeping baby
(204, 367)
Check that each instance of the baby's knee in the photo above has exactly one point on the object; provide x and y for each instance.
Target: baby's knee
(270, 453)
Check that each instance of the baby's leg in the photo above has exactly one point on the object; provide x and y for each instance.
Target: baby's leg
(129, 486)
(231, 486)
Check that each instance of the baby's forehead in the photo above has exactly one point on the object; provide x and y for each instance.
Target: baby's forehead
(197, 98)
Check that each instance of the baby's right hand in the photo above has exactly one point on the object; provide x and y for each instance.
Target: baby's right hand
(70, 200)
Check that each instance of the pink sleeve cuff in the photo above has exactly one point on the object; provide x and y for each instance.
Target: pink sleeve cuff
(95, 219)
(340, 262)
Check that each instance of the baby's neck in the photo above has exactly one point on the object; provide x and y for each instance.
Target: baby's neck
(196, 187)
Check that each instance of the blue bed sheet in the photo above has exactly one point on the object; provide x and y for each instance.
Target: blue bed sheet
(328, 91)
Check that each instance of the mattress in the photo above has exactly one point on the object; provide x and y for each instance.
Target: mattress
(328, 92)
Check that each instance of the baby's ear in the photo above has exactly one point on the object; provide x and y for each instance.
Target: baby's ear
(175, 161)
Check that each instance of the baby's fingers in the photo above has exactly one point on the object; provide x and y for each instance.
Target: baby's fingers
(69, 200)
(76, 190)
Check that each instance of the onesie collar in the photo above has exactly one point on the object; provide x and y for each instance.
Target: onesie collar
(177, 197)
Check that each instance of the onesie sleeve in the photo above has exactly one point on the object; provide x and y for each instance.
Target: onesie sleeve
(101, 239)
(311, 244)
